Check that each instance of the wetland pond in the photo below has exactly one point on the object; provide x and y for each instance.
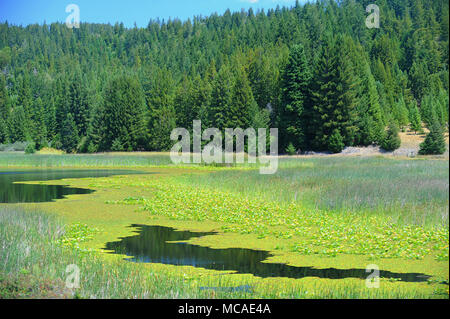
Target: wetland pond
(12, 191)
(165, 245)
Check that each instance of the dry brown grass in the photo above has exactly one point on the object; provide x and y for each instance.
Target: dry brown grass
(413, 140)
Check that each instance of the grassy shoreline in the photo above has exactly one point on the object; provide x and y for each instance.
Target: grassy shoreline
(33, 265)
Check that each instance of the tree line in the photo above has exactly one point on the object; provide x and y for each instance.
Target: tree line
(315, 71)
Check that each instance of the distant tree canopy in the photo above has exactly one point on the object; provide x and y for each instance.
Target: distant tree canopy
(315, 71)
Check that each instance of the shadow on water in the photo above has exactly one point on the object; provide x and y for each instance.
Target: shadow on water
(11, 191)
(164, 245)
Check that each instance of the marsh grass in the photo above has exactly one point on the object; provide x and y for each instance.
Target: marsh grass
(408, 191)
(82, 161)
(33, 265)
(51, 159)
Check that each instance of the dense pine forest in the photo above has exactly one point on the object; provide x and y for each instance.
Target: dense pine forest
(315, 71)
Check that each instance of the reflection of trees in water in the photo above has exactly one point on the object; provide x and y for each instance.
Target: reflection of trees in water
(20, 193)
(26, 193)
(156, 244)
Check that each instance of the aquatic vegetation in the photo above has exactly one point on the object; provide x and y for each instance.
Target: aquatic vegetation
(33, 265)
(315, 231)
(408, 191)
(75, 234)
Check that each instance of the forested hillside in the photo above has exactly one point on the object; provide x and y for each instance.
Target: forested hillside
(314, 71)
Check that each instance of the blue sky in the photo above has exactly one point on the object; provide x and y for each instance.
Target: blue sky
(24, 12)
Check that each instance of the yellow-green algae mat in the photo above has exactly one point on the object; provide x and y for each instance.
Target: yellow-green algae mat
(156, 198)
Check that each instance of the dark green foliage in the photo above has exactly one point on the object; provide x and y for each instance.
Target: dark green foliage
(434, 143)
(161, 125)
(94, 140)
(69, 134)
(333, 97)
(415, 119)
(4, 99)
(18, 131)
(295, 92)
(123, 115)
(392, 140)
(308, 70)
(5, 57)
(369, 119)
(3, 131)
(117, 146)
(401, 114)
(4, 110)
(77, 104)
(336, 142)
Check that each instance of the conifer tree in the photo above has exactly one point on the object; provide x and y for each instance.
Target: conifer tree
(295, 93)
(336, 142)
(162, 123)
(77, 104)
(400, 113)
(124, 114)
(434, 143)
(392, 140)
(415, 119)
(39, 129)
(69, 134)
(18, 131)
(370, 116)
(96, 134)
(221, 99)
(4, 100)
(3, 131)
(243, 107)
(4, 110)
(333, 97)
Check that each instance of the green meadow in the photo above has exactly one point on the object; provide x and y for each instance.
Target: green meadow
(321, 212)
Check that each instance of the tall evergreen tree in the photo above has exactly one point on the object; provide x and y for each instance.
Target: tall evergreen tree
(39, 129)
(415, 119)
(296, 80)
(400, 113)
(96, 131)
(333, 97)
(221, 99)
(4, 99)
(18, 130)
(69, 134)
(77, 104)
(4, 110)
(124, 114)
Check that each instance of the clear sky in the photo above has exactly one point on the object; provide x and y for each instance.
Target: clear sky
(24, 12)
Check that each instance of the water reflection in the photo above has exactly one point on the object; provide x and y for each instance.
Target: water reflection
(164, 245)
(11, 192)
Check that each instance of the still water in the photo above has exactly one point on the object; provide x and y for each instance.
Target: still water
(165, 245)
(11, 191)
